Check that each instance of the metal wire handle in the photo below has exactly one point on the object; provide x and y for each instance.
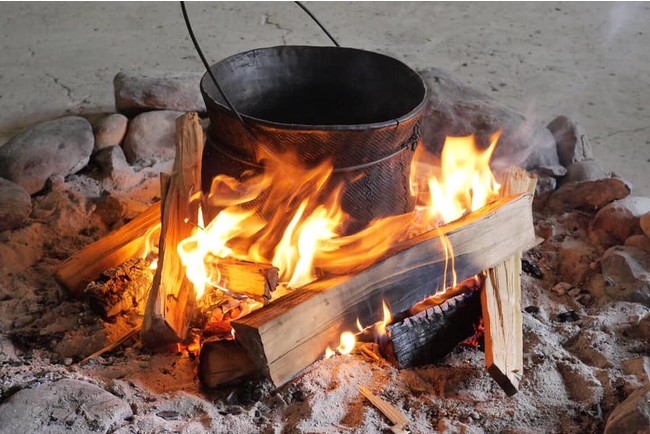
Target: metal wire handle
(207, 65)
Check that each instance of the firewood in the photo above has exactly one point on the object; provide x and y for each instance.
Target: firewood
(432, 334)
(289, 334)
(501, 305)
(121, 289)
(389, 411)
(249, 278)
(223, 362)
(172, 297)
(76, 272)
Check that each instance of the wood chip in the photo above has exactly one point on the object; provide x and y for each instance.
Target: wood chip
(399, 421)
(113, 345)
(368, 352)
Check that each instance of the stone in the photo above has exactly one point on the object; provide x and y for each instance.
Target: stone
(639, 367)
(61, 407)
(644, 222)
(580, 382)
(456, 109)
(110, 131)
(58, 147)
(151, 135)
(545, 184)
(641, 242)
(555, 171)
(15, 205)
(571, 140)
(561, 288)
(617, 221)
(632, 415)
(626, 271)
(588, 195)
(136, 92)
(109, 209)
(113, 165)
(574, 258)
(587, 170)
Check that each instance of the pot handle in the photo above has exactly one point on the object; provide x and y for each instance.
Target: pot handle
(207, 65)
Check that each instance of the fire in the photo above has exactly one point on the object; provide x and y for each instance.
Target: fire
(150, 245)
(381, 326)
(466, 182)
(348, 341)
(290, 216)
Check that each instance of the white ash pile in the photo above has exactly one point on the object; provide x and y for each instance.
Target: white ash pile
(586, 298)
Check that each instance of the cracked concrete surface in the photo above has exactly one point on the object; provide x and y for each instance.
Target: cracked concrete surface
(589, 61)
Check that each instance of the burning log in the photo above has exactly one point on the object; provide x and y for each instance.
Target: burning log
(85, 266)
(501, 305)
(433, 333)
(172, 298)
(249, 278)
(224, 362)
(287, 335)
(120, 289)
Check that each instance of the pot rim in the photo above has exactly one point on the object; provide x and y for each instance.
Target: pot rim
(289, 126)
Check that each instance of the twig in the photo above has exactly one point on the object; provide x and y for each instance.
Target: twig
(368, 352)
(113, 345)
(399, 421)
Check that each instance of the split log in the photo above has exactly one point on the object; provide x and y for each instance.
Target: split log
(223, 362)
(501, 304)
(249, 278)
(172, 297)
(289, 334)
(76, 272)
(120, 289)
(431, 334)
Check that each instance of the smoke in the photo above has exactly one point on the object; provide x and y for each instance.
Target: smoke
(620, 15)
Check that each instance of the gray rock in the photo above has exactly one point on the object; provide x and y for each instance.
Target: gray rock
(588, 195)
(151, 135)
(572, 141)
(639, 367)
(587, 170)
(15, 205)
(58, 147)
(632, 416)
(63, 406)
(110, 131)
(641, 242)
(555, 171)
(136, 92)
(613, 224)
(626, 271)
(644, 222)
(545, 184)
(456, 109)
(580, 382)
(114, 166)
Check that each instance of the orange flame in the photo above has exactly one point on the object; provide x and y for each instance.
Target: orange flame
(290, 216)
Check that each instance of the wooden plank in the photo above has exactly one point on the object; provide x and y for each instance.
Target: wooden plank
(501, 304)
(291, 333)
(76, 272)
(223, 362)
(249, 278)
(431, 334)
(172, 297)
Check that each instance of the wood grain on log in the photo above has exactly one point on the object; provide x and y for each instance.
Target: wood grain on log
(291, 333)
(172, 297)
(224, 362)
(248, 278)
(76, 272)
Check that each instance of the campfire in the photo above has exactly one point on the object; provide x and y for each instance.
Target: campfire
(262, 274)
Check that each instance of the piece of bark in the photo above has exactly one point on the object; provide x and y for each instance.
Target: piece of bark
(289, 334)
(431, 334)
(85, 266)
(121, 289)
(172, 297)
(249, 278)
(223, 362)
